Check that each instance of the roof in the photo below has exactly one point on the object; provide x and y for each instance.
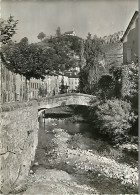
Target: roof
(69, 32)
(129, 25)
(73, 76)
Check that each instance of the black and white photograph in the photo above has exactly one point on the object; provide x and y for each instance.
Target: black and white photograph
(69, 97)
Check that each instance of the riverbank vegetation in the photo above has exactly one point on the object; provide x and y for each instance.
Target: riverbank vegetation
(116, 112)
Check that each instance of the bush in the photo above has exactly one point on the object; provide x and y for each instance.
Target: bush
(114, 118)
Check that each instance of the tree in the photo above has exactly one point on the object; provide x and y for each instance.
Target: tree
(83, 81)
(41, 36)
(62, 87)
(116, 71)
(58, 32)
(114, 118)
(89, 36)
(42, 92)
(130, 84)
(81, 54)
(63, 49)
(7, 29)
(91, 70)
(24, 42)
(26, 59)
(33, 60)
(106, 87)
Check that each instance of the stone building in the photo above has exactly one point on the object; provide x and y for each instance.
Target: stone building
(130, 40)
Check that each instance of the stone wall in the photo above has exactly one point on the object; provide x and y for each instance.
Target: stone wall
(18, 142)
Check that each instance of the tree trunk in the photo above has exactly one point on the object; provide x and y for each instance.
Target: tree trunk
(26, 90)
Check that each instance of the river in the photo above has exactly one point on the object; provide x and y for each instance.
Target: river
(75, 149)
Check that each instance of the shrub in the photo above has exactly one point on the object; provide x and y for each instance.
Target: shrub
(114, 118)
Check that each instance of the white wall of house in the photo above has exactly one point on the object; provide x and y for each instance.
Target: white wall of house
(35, 84)
(73, 83)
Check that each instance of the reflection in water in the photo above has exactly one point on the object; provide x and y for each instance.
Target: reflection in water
(69, 126)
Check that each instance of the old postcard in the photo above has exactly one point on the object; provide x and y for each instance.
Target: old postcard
(69, 97)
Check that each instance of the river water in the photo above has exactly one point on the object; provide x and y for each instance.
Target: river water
(79, 137)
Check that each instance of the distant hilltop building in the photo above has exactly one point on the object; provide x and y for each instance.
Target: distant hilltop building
(72, 33)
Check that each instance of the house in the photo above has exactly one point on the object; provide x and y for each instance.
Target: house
(53, 82)
(73, 80)
(35, 84)
(72, 33)
(21, 91)
(130, 40)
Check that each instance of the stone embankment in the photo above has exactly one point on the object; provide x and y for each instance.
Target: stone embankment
(18, 142)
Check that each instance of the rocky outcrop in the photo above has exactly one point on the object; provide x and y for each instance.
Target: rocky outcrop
(114, 38)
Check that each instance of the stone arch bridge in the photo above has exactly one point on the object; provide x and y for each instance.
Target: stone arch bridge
(64, 100)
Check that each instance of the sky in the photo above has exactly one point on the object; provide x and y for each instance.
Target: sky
(100, 17)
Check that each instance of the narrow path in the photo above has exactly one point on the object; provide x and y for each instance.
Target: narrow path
(56, 182)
